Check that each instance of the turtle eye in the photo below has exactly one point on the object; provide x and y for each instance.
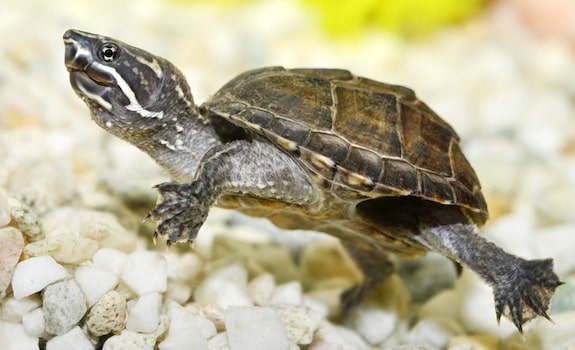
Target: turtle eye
(109, 52)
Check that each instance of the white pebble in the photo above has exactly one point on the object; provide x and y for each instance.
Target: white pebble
(375, 324)
(178, 291)
(111, 260)
(34, 323)
(225, 287)
(255, 328)
(64, 248)
(145, 272)
(287, 293)
(434, 331)
(32, 275)
(94, 282)
(12, 309)
(260, 288)
(182, 319)
(4, 210)
(73, 339)
(347, 339)
(64, 305)
(184, 339)
(301, 323)
(144, 313)
(13, 336)
(108, 315)
(11, 246)
(191, 267)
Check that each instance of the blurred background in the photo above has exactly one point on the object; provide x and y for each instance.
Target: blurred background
(502, 72)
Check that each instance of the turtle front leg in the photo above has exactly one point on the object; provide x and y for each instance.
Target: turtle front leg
(522, 288)
(250, 168)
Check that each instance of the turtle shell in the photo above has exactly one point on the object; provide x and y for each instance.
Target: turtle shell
(366, 137)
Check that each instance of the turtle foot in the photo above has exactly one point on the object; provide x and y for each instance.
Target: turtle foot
(527, 292)
(179, 213)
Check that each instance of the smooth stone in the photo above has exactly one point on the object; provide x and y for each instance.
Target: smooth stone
(145, 272)
(111, 260)
(224, 287)
(183, 319)
(34, 274)
(64, 248)
(301, 323)
(255, 328)
(94, 282)
(34, 323)
(144, 313)
(434, 332)
(184, 339)
(374, 324)
(328, 333)
(108, 315)
(73, 339)
(13, 336)
(185, 267)
(178, 291)
(12, 309)
(287, 293)
(11, 247)
(64, 305)
(260, 288)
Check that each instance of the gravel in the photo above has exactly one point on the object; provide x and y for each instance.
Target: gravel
(77, 265)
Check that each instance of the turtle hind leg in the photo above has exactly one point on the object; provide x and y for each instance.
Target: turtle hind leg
(526, 291)
(522, 288)
(375, 266)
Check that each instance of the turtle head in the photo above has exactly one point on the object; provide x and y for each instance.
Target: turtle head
(128, 90)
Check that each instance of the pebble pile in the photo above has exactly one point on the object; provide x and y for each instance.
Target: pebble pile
(78, 269)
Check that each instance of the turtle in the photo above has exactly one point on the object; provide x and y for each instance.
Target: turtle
(307, 148)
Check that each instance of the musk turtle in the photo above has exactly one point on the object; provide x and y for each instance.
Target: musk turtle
(316, 149)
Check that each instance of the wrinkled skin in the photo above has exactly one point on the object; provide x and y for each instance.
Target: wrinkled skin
(312, 149)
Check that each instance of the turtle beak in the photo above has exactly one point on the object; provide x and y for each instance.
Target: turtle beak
(77, 55)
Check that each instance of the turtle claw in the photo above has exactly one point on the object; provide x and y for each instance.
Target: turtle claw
(179, 213)
(528, 293)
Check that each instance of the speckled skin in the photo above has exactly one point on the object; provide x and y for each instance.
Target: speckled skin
(317, 149)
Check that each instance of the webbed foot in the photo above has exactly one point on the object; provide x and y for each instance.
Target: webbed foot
(180, 212)
(527, 292)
